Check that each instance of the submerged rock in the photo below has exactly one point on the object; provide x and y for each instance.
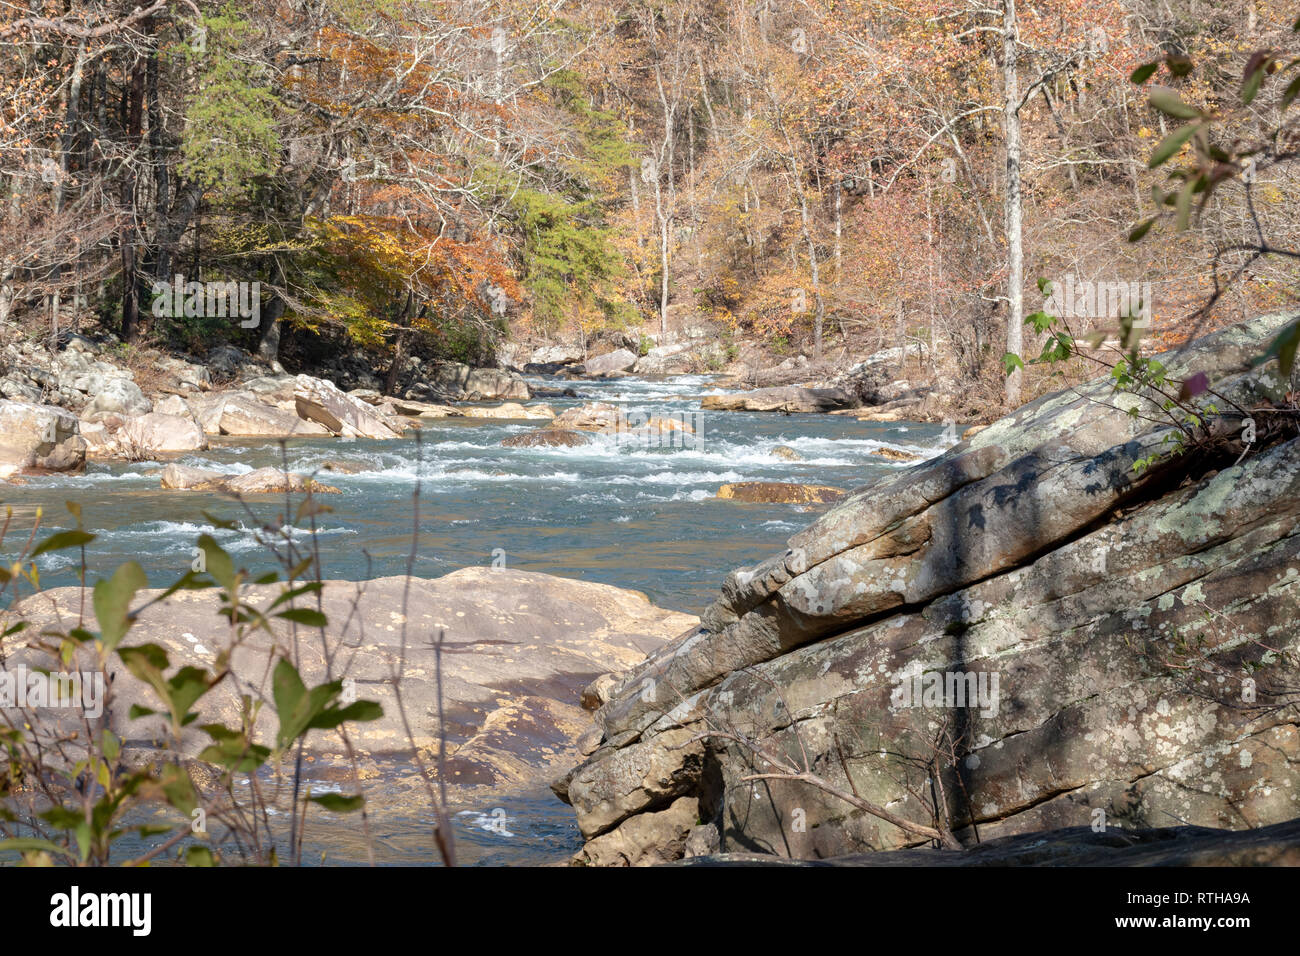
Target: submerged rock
(256, 482)
(547, 438)
(780, 493)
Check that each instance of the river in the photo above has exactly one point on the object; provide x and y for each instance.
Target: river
(619, 513)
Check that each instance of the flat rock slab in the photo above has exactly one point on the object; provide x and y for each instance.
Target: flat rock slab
(788, 398)
(518, 648)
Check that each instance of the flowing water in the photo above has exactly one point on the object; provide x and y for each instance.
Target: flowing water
(630, 514)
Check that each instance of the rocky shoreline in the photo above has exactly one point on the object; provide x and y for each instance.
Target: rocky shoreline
(82, 402)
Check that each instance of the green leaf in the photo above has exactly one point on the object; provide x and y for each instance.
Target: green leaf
(1183, 206)
(1144, 72)
(1170, 103)
(199, 856)
(1292, 91)
(340, 803)
(1284, 348)
(1141, 229)
(306, 616)
(63, 539)
(1011, 361)
(218, 565)
(1171, 144)
(1253, 75)
(32, 844)
(112, 601)
(359, 711)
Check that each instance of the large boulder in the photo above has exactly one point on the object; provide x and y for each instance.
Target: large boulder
(489, 384)
(158, 433)
(591, 417)
(39, 437)
(118, 396)
(619, 360)
(556, 355)
(788, 398)
(547, 438)
(242, 415)
(1065, 634)
(324, 403)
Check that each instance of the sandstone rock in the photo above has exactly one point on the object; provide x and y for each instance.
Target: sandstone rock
(1034, 552)
(789, 398)
(895, 454)
(322, 402)
(276, 390)
(676, 359)
(647, 839)
(262, 481)
(510, 410)
(39, 437)
(120, 396)
(786, 452)
(518, 647)
(490, 384)
(186, 478)
(781, 493)
(407, 406)
(243, 415)
(160, 433)
(620, 360)
(101, 443)
(173, 405)
(556, 355)
(547, 438)
(594, 416)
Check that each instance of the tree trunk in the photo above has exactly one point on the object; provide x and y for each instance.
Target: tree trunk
(133, 99)
(1014, 222)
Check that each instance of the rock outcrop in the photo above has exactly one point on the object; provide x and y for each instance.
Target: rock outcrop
(1127, 636)
(39, 438)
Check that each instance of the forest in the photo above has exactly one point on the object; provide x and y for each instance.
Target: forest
(821, 178)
